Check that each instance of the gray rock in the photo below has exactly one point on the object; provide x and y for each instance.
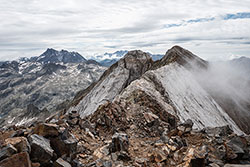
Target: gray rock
(65, 143)
(41, 150)
(7, 151)
(218, 131)
(236, 147)
(61, 163)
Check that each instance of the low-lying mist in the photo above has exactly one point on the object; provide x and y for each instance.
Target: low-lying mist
(229, 84)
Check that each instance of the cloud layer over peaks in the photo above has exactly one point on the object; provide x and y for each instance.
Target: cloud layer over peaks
(214, 29)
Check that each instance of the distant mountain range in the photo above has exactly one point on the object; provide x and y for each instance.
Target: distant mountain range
(107, 59)
(45, 81)
(242, 63)
(54, 56)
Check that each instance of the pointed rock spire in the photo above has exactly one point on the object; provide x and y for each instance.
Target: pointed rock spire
(181, 56)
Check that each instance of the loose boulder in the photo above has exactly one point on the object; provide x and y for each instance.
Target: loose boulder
(17, 160)
(47, 130)
(65, 143)
(120, 142)
(7, 151)
(40, 149)
(20, 143)
(186, 126)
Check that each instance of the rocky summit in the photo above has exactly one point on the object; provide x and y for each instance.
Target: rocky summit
(140, 113)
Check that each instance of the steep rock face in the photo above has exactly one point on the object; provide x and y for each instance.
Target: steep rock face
(113, 81)
(210, 81)
(169, 81)
(179, 94)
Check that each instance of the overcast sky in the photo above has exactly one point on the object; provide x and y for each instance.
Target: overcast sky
(212, 29)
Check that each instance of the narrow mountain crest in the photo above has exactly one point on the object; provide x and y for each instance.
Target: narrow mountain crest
(182, 57)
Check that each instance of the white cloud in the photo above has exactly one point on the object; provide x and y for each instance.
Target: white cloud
(28, 27)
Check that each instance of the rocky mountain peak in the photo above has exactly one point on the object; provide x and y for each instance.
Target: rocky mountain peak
(138, 54)
(54, 56)
(182, 57)
(137, 58)
(50, 50)
(112, 82)
(137, 62)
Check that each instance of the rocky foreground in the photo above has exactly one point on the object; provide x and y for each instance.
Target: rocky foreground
(121, 134)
